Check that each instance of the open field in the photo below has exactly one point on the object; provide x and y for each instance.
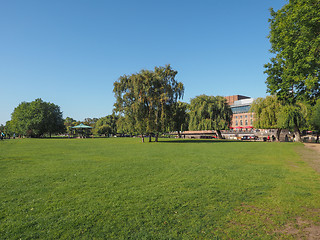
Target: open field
(121, 188)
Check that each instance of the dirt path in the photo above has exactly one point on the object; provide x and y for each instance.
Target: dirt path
(314, 146)
(311, 154)
(303, 228)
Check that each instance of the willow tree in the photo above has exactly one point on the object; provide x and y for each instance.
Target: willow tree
(180, 117)
(315, 119)
(266, 112)
(146, 100)
(210, 113)
(293, 117)
(294, 70)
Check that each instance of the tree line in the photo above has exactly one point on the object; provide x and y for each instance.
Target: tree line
(148, 102)
(293, 73)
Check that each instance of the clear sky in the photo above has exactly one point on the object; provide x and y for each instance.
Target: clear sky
(70, 52)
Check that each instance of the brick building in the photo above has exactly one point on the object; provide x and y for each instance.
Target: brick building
(240, 106)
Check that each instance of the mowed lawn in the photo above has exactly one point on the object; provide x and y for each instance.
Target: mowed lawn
(120, 188)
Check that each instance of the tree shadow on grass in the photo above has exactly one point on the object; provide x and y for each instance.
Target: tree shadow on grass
(199, 141)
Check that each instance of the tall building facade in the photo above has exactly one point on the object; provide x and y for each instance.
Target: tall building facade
(240, 106)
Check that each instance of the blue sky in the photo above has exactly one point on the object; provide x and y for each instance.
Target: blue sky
(70, 52)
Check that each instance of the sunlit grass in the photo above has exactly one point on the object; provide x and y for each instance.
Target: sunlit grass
(121, 188)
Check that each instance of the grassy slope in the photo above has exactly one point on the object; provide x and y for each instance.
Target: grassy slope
(120, 188)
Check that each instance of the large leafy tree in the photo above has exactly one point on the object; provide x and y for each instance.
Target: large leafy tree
(106, 125)
(210, 113)
(294, 71)
(37, 118)
(146, 99)
(266, 112)
(315, 119)
(293, 117)
(180, 117)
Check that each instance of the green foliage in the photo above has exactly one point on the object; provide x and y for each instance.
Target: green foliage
(293, 117)
(36, 119)
(147, 99)
(293, 74)
(118, 189)
(106, 125)
(90, 121)
(209, 112)
(315, 117)
(266, 111)
(180, 117)
(69, 123)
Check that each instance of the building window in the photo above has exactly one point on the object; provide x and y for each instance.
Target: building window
(236, 123)
(241, 116)
(246, 122)
(236, 117)
(251, 121)
(246, 116)
(240, 122)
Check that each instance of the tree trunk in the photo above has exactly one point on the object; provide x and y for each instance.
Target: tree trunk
(142, 138)
(278, 134)
(150, 138)
(219, 134)
(179, 134)
(156, 138)
(317, 140)
(297, 134)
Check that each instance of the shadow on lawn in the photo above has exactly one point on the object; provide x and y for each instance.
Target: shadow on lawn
(198, 141)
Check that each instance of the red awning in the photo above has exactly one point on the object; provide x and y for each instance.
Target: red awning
(238, 127)
(248, 127)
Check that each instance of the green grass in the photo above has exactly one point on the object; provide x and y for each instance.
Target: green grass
(123, 189)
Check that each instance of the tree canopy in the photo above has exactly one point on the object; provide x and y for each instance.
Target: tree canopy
(209, 113)
(293, 73)
(147, 99)
(106, 125)
(34, 119)
(180, 117)
(293, 117)
(266, 112)
(315, 118)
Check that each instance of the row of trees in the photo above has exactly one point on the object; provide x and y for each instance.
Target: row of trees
(39, 118)
(271, 113)
(294, 70)
(147, 103)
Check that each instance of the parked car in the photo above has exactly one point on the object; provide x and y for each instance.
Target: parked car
(248, 138)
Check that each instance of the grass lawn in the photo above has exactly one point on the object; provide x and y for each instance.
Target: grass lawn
(123, 189)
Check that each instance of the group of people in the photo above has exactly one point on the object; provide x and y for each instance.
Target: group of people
(273, 138)
(3, 136)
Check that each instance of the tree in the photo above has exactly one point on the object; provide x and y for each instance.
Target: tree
(315, 118)
(90, 121)
(180, 117)
(123, 126)
(146, 99)
(69, 123)
(293, 117)
(266, 112)
(34, 119)
(106, 125)
(209, 112)
(293, 73)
